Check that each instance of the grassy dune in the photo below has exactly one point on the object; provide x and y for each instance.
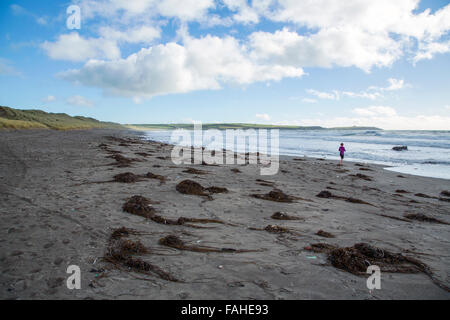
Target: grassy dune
(36, 119)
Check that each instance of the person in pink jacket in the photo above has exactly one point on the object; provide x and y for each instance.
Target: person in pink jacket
(341, 152)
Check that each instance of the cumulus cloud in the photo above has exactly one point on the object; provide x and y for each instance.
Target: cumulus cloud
(374, 111)
(372, 93)
(201, 63)
(337, 46)
(79, 101)
(6, 69)
(49, 99)
(263, 116)
(141, 34)
(324, 95)
(309, 100)
(186, 10)
(379, 116)
(358, 33)
(73, 47)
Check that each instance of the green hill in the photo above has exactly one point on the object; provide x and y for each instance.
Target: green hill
(36, 119)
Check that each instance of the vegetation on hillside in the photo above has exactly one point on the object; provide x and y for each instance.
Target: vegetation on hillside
(36, 119)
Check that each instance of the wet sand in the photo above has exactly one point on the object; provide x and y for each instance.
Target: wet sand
(61, 202)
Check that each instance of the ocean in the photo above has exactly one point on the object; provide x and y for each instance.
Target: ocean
(428, 152)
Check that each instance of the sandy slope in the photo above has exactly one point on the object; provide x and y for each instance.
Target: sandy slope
(51, 217)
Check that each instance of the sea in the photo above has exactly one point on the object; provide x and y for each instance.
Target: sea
(428, 152)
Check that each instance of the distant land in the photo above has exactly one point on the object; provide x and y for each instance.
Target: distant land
(11, 118)
(222, 126)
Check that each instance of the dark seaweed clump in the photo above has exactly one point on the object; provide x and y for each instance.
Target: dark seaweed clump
(121, 252)
(275, 195)
(283, 216)
(126, 177)
(324, 234)
(424, 218)
(140, 206)
(194, 188)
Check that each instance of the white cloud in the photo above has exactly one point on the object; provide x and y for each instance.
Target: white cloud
(376, 111)
(324, 95)
(428, 50)
(73, 47)
(337, 46)
(378, 116)
(263, 116)
(49, 99)
(308, 100)
(201, 63)
(18, 10)
(186, 10)
(79, 101)
(6, 69)
(371, 93)
(142, 34)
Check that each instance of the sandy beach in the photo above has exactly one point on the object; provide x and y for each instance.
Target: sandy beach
(60, 206)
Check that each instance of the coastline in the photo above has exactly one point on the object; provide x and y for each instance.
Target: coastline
(53, 215)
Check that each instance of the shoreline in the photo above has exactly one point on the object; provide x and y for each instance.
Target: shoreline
(402, 169)
(61, 207)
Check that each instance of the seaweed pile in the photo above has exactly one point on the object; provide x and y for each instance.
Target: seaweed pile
(361, 176)
(140, 206)
(195, 171)
(121, 252)
(324, 234)
(151, 175)
(194, 188)
(275, 195)
(424, 218)
(327, 194)
(126, 177)
(175, 242)
(283, 216)
(358, 258)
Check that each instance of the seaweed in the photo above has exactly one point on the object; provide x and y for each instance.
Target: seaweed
(275, 195)
(424, 218)
(283, 216)
(276, 229)
(194, 188)
(324, 234)
(121, 252)
(358, 258)
(327, 194)
(140, 206)
(161, 179)
(175, 242)
(126, 177)
(361, 176)
(195, 171)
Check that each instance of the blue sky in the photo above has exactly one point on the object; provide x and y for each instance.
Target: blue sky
(382, 63)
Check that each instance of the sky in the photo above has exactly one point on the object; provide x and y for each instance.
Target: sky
(330, 63)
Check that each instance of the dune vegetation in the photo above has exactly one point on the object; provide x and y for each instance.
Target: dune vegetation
(37, 119)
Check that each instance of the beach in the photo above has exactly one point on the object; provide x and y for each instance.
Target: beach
(61, 206)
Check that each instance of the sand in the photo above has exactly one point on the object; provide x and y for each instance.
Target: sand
(60, 205)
